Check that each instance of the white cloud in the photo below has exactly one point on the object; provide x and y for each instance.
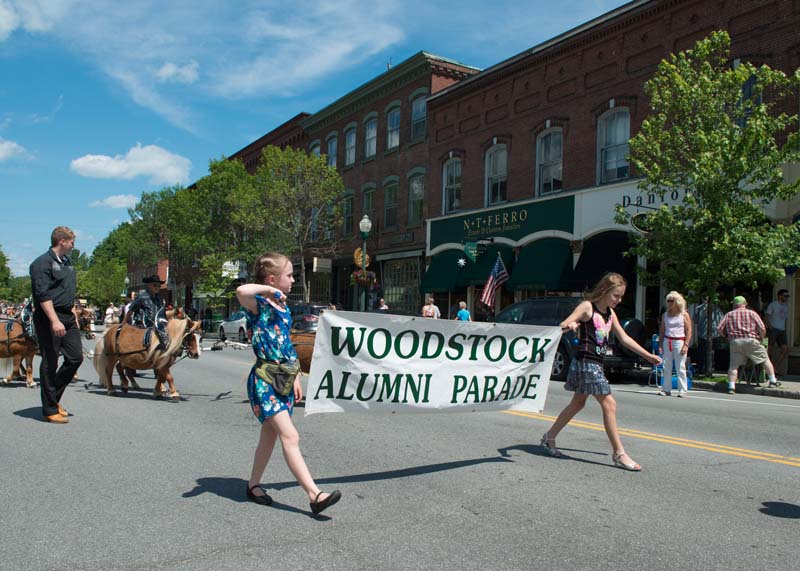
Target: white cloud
(31, 15)
(152, 161)
(9, 150)
(187, 74)
(269, 48)
(117, 201)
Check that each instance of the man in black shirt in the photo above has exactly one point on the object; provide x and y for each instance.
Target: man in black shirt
(53, 283)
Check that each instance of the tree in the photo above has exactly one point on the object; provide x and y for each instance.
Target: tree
(295, 203)
(19, 288)
(101, 277)
(5, 276)
(716, 133)
(214, 281)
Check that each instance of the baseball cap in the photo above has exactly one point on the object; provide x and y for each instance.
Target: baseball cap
(739, 300)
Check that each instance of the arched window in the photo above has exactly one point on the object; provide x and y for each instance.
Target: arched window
(347, 214)
(350, 146)
(314, 148)
(393, 129)
(416, 196)
(549, 153)
(370, 138)
(391, 188)
(496, 169)
(451, 185)
(613, 133)
(418, 115)
(332, 141)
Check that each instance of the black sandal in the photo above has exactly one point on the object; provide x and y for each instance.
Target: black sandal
(318, 506)
(264, 500)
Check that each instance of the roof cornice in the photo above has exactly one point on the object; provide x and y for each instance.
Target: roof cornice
(392, 79)
(561, 41)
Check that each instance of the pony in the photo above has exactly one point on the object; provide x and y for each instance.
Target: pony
(85, 317)
(127, 349)
(16, 346)
(303, 342)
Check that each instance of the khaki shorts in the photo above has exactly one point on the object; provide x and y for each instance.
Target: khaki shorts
(744, 349)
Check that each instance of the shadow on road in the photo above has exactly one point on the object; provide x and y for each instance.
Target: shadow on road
(34, 413)
(781, 509)
(234, 490)
(536, 450)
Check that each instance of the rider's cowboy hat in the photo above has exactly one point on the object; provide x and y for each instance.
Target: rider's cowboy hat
(154, 279)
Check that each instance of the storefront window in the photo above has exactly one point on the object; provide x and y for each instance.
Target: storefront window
(401, 285)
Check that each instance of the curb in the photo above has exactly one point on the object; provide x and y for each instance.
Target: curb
(743, 388)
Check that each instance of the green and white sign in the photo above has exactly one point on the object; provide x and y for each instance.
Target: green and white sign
(389, 363)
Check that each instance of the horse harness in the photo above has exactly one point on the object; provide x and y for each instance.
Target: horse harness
(9, 326)
(148, 335)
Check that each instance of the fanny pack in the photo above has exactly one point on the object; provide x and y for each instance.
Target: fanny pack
(280, 375)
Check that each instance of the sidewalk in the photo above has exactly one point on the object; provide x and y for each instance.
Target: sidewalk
(790, 387)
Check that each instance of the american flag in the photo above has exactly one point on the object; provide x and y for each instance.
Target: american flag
(497, 277)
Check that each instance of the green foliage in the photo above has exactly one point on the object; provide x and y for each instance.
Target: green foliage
(213, 280)
(103, 282)
(18, 289)
(5, 271)
(293, 206)
(726, 150)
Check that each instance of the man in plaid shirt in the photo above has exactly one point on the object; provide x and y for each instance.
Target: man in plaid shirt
(745, 330)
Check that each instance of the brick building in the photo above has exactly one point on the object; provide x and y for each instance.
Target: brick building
(376, 136)
(528, 157)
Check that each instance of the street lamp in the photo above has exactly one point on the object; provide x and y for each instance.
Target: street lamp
(365, 226)
(127, 283)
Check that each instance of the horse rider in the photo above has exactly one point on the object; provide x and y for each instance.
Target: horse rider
(26, 316)
(147, 309)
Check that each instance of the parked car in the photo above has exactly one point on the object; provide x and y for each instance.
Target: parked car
(235, 327)
(553, 310)
(305, 316)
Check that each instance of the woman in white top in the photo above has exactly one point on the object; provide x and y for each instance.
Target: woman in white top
(430, 310)
(676, 333)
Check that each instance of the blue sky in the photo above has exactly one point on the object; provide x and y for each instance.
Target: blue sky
(102, 101)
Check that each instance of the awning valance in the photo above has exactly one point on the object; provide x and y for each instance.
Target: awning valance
(601, 254)
(543, 265)
(442, 272)
(476, 273)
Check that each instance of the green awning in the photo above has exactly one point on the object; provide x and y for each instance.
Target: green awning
(476, 274)
(601, 254)
(443, 272)
(543, 265)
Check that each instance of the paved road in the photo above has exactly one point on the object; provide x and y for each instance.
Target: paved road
(134, 483)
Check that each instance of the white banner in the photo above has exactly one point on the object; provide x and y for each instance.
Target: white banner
(371, 362)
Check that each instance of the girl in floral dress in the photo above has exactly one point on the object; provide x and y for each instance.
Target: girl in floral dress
(270, 321)
(594, 319)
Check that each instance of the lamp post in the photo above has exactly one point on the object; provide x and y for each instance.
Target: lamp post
(127, 283)
(365, 226)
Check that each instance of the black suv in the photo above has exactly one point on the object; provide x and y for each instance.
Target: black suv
(553, 310)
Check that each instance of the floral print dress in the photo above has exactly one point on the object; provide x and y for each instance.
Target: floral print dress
(270, 327)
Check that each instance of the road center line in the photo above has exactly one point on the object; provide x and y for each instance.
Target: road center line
(730, 399)
(685, 442)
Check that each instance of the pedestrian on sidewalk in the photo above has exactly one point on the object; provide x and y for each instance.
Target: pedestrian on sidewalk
(463, 312)
(594, 319)
(745, 330)
(777, 314)
(430, 309)
(676, 334)
(270, 320)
